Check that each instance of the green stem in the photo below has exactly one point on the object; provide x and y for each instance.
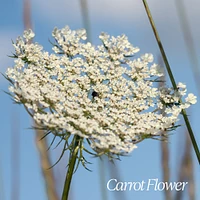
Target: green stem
(171, 78)
(160, 45)
(70, 171)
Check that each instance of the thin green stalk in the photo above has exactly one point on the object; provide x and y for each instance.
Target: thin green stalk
(189, 41)
(195, 146)
(70, 171)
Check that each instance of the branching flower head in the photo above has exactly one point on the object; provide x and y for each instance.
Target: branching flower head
(101, 94)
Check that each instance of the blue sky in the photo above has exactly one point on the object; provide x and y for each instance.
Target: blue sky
(115, 17)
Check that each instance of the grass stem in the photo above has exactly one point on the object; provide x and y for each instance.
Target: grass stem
(187, 122)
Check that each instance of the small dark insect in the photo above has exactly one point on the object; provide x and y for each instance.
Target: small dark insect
(95, 94)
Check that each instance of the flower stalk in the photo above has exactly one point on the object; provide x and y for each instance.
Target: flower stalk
(71, 167)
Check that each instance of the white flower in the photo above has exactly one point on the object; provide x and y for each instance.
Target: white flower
(100, 93)
(191, 98)
(28, 34)
(181, 85)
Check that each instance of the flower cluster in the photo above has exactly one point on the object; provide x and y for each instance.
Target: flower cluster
(99, 93)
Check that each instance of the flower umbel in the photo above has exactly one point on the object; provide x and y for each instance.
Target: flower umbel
(102, 94)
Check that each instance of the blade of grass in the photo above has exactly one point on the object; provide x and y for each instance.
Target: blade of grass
(187, 122)
(86, 19)
(41, 145)
(115, 172)
(86, 24)
(165, 148)
(186, 171)
(15, 156)
(45, 165)
(102, 176)
(189, 41)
